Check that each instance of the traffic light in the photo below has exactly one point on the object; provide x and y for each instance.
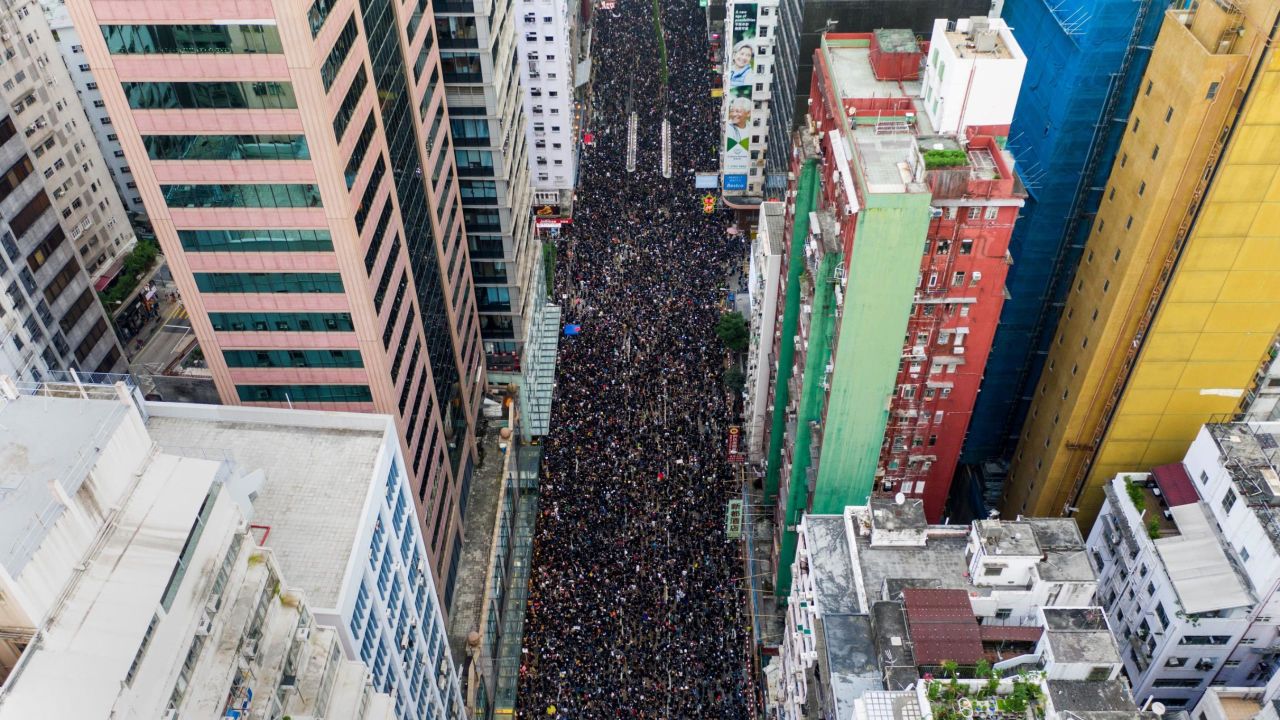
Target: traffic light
(708, 204)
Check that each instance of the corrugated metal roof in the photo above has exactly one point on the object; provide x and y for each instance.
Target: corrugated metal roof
(1175, 484)
(1009, 633)
(942, 626)
(1201, 574)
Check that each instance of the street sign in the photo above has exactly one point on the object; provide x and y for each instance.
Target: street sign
(733, 520)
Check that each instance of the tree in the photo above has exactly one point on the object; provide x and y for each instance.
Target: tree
(732, 331)
(734, 380)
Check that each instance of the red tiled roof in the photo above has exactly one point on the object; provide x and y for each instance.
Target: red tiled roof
(1010, 633)
(1175, 485)
(942, 626)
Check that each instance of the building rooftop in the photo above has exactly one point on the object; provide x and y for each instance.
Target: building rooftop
(1251, 453)
(1065, 557)
(29, 462)
(311, 472)
(92, 639)
(942, 626)
(1080, 635)
(980, 45)
(886, 151)
(942, 564)
(1007, 538)
(775, 224)
(886, 514)
(832, 568)
(851, 659)
(1100, 700)
(1175, 485)
(1202, 576)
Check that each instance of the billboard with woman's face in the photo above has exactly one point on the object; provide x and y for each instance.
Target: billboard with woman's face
(740, 80)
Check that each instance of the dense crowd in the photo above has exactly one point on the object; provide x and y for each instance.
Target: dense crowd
(634, 609)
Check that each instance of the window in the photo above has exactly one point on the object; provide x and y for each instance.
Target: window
(1213, 91)
(209, 96)
(957, 279)
(189, 547)
(1137, 122)
(226, 147)
(1168, 115)
(265, 240)
(191, 39)
(280, 322)
(338, 54)
(1155, 152)
(318, 13)
(255, 196)
(142, 650)
(1204, 640)
(293, 358)
(1244, 554)
(304, 393)
(269, 282)
(966, 247)
(1204, 477)
(1176, 662)
(349, 102)
(1228, 501)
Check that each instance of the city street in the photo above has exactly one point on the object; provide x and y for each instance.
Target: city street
(635, 607)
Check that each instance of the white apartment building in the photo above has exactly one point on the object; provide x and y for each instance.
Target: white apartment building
(1231, 703)
(1189, 567)
(850, 621)
(36, 86)
(545, 32)
(1263, 402)
(208, 561)
(972, 64)
(50, 316)
(750, 36)
(762, 290)
(72, 51)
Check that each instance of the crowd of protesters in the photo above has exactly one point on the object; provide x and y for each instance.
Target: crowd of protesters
(635, 608)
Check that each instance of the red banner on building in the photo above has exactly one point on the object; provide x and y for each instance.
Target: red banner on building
(736, 456)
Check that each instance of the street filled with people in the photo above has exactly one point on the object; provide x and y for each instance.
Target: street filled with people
(635, 607)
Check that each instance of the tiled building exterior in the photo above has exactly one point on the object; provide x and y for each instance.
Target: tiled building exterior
(296, 162)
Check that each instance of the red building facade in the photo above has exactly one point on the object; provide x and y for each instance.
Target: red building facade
(959, 295)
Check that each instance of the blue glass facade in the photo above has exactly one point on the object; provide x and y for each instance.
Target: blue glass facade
(1085, 61)
(396, 621)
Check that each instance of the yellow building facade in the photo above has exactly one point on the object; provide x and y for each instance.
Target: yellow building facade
(1177, 298)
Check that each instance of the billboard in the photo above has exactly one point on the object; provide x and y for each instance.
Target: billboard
(740, 80)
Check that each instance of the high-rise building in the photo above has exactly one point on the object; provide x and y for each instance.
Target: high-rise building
(1079, 87)
(72, 51)
(877, 365)
(1174, 305)
(486, 115)
(547, 42)
(1188, 559)
(205, 561)
(296, 164)
(50, 317)
(750, 34)
(42, 99)
(799, 30)
(763, 274)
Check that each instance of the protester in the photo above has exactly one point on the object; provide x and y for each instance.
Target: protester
(633, 609)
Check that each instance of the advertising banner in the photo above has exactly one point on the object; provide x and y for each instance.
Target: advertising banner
(740, 80)
(736, 454)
